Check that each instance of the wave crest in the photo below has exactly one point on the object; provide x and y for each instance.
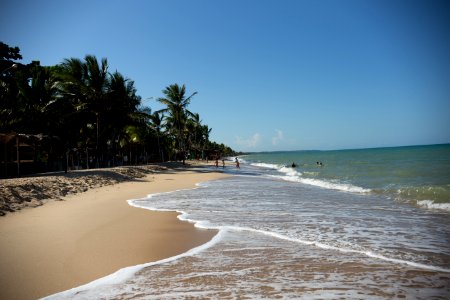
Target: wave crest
(291, 174)
(430, 204)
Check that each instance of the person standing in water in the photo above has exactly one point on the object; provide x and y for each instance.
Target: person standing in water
(237, 163)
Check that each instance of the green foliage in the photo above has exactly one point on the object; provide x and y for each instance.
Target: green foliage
(9, 53)
(95, 113)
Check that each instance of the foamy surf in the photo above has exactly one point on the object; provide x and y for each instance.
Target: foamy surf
(430, 204)
(339, 249)
(206, 224)
(293, 175)
(278, 239)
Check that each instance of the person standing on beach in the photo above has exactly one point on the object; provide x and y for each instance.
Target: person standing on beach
(237, 163)
(223, 163)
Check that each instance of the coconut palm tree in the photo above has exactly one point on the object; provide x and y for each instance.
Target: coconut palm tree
(157, 122)
(37, 98)
(119, 112)
(95, 90)
(176, 101)
(205, 132)
(85, 84)
(194, 133)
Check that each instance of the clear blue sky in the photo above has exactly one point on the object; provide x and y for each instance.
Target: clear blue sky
(270, 75)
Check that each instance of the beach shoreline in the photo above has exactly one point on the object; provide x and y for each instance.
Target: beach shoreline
(89, 235)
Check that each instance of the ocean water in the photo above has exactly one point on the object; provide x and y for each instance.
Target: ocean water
(419, 175)
(354, 228)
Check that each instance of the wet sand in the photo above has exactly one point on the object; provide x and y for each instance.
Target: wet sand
(64, 244)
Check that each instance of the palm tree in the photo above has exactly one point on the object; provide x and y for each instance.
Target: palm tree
(205, 132)
(195, 124)
(120, 107)
(131, 137)
(176, 101)
(157, 122)
(95, 89)
(86, 85)
(194, 131)
(37, 95)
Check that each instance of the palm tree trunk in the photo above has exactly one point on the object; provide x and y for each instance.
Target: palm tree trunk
(159, 149)
(96, 146)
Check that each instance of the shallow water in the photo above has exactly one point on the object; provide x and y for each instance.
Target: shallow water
(245, 265)
(418, 175)
(282, 239)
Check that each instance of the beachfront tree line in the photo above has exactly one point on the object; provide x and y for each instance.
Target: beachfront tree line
(79, 114)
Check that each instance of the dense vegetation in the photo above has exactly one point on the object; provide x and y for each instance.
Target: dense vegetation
(89, 117)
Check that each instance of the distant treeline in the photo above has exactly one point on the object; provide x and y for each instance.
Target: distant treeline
(82, 115)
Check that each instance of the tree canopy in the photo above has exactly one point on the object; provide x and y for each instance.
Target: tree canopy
(91, 117)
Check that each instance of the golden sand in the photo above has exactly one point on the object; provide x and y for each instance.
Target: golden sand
(64, 244)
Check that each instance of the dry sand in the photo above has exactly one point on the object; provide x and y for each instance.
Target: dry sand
(64, 244)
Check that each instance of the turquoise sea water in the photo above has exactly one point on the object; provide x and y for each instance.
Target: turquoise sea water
(357, 227)
(419, 175)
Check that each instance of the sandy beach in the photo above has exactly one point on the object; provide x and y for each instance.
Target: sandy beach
(90, 234)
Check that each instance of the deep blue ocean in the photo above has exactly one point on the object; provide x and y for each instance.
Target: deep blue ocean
(349, 224)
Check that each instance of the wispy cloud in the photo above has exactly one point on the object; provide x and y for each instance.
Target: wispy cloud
(250, 142)
(278, 137)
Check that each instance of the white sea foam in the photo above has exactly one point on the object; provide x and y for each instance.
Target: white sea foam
(266, 165)
(430, 204)
(340, 249)
(291, 174)
(182, 215)
(323, 183)
(222, 229)
(336, 186)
